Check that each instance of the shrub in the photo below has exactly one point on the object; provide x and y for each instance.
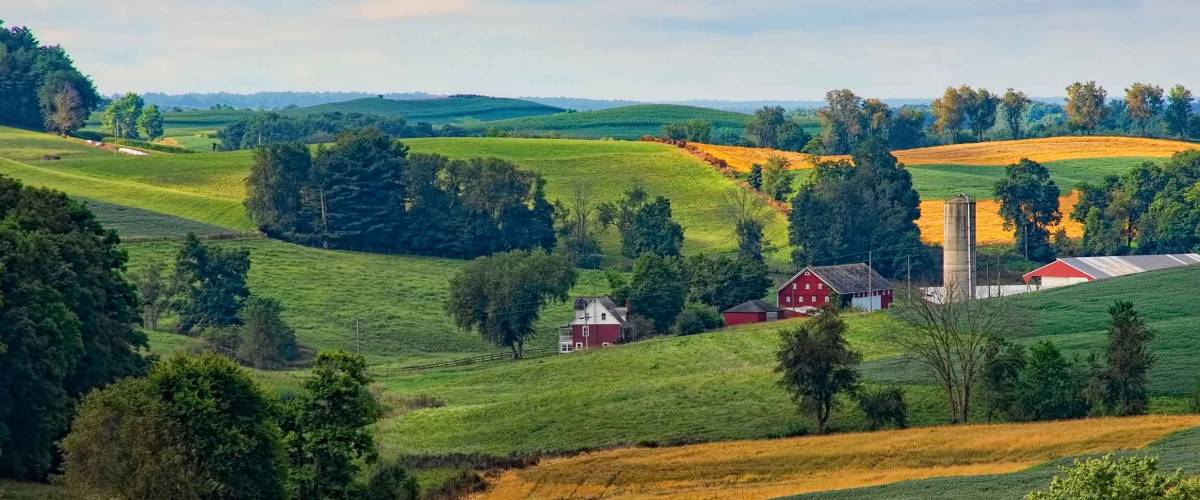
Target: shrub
(389, 481)
(1108, 477)
(696, 318)
(1195, 402)
(638, 327)
(884, 408)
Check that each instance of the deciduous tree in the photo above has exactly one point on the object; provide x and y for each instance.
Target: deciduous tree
(656, 289)
(1014, 104)
(64, 112)
(1143, 101)
(121, 116)
(950, 111)
(265, 339)
(1029, 206)
(1179, 111)
(210, 284)
(776, 178)
(150, 122)
(1085, 106)
(763, 128)
(816, 364)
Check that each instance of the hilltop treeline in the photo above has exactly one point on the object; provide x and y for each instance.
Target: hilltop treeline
(263, 100)
(365, 192)
(39, 85)
(272, 128)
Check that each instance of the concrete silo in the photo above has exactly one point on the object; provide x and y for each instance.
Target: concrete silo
(958, 258)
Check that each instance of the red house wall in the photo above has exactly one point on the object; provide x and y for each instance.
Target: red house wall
(743, 318)
(597, 335)
(791, 296)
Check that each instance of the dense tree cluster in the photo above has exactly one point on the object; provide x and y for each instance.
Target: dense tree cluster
(645, 225)
(848, 120)
(691, 130)
(272, 128)
(847, 209)
(67, 320)
(365, 192)
(200, 427)
(1151, 209)
(128, 117)
(39, 85)
(1029, 206)
(772, 128)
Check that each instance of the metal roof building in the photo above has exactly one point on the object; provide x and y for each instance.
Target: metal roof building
(1070, 270)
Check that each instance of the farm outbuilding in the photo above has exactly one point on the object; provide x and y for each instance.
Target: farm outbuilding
(853, 285)
(1072, 270)
(598, 323)
(751, 311)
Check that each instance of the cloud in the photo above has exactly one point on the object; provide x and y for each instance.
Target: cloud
(394, 10)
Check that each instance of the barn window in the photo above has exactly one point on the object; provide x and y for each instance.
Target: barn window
(820, 286)
(794, 286)
(788, 299)
(814, 299)
(826, 298)
(606, 344)
(801, 299)
(808, 286)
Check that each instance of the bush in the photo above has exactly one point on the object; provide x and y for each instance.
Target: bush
(696, 318)
(884, 408)
(638, 327)
(1195, 402)
(1107, 477)
(389, 481)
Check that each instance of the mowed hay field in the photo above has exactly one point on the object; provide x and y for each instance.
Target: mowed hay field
(1043, 150)
(742, 158)
(768, 468)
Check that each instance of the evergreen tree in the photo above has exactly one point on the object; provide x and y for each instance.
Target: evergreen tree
(34, 81)
(848, 209)
(1126, 379)
(211, 285)
(755, 178)
(278, 191)
(265, 340)
(1029, 206)
(723, 282)
(1051, 386)
(361, 179)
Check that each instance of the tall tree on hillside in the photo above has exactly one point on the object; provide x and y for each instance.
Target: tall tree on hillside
(1029, 206)
(645, 225)
(792, 136)
(1085, 106)
(67, 318)
(1014, 104)
(154, 292)
(326, 428)
(981, 110)
(750, 215)
(150, 122)
(64, 111)
(876, 119)
(278, 191)
(1125, 381)
(841, 121)
(121, 116)
(1179, 111)
(763, 128)
(578, 224)
(776, 178)
(1050, 386)
(1143, 101)
(723, 282)
(361, 181)
(817, 364)
(655, 290)
(210, 284)
(265, 340)
(501, 296)
(908, 128)
(33, 77)
(949, 111)
(846, 210)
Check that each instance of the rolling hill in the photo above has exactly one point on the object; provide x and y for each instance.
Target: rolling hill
(453, 109)
(719, 386)
(624, 122)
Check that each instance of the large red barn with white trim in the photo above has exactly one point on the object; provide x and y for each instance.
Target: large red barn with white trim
(853, 285)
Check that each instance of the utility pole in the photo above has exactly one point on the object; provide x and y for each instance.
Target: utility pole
(870, 286)
(358, 335)
(908, 278)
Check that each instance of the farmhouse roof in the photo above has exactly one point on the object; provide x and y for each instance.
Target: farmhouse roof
(1112, 266)
(753, 306)
(617, 312)
(846, 278)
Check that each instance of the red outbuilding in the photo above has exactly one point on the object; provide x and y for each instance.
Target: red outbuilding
(851, 285)
(1071, 270)
(598, 323)
(750, 311)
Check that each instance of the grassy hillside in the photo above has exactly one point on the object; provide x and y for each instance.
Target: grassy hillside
(437, 111)
(720, 386)
(608, 168)
(625, 122)
(764, 469)
(187, 129)
(398, 298)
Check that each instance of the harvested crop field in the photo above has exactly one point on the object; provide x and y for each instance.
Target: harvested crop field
(1042, 150)
(741, 158)
(769, 468)
(989, 227)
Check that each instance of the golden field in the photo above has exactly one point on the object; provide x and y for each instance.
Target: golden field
(770, 468)
(1042, 150)
(981, 153)
(989, 227)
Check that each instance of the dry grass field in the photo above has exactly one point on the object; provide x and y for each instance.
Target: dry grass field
(741, 158)
(989, 228)
(771, 468)
(1042, 150)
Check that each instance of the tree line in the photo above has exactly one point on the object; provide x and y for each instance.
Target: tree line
(366, 192)
(271, 128)
(40, 88)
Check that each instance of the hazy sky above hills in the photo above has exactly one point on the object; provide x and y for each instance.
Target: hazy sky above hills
(634, 49)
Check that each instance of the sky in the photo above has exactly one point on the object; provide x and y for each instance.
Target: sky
(620, 49)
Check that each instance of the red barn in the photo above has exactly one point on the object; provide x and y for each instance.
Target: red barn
(853, 285)
(750, 311)
(1071, 270)
(598, 323)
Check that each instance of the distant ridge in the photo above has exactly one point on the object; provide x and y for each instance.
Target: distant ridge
(624, 122)
(439, 110)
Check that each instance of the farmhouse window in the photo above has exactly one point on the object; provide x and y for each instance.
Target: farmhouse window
(606, 344)
(585, 330)
(603, 316)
